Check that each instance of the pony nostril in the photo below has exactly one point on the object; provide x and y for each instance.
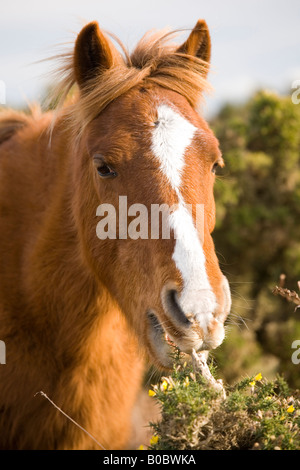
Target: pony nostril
(172, 307)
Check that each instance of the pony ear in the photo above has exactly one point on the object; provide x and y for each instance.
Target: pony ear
(198, 43)
(93, 53)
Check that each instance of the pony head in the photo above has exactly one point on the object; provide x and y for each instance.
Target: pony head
(144, 160)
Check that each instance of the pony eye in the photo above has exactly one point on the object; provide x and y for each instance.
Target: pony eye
(106, 172)
(215, 167)
(103, 169)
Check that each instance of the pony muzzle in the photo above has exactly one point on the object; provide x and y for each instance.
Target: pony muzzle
(184, 328)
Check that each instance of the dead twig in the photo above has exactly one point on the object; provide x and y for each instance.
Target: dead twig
(287, 294)
(69, 417)
(200, 365)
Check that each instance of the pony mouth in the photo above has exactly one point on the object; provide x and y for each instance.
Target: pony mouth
(173, 328)
(162, 343)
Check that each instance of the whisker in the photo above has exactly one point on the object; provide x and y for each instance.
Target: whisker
(240, 318)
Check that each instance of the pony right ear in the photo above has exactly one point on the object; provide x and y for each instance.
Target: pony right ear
(93, 54)
(198, 43)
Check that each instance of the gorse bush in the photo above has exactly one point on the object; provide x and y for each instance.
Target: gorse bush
(256, 414)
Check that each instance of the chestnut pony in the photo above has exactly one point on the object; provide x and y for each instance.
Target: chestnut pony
(81, 316)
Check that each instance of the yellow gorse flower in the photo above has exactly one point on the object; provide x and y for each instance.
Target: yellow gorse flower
(257, 378)
(154, 440)
(290, 409)
(151, 393)
(186, 382)
(164, 385)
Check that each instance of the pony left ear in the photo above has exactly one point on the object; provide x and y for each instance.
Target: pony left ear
(198, 43)
(93, 53)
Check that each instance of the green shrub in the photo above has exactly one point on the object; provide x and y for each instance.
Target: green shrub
(256, 414)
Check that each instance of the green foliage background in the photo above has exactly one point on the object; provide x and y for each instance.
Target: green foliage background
(257, 235)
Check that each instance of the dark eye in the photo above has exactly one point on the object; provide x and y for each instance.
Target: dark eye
(103, 169)
(215, 167)
(106, 172)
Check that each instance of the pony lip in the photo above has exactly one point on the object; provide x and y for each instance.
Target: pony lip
(162, 340)
(158, 341)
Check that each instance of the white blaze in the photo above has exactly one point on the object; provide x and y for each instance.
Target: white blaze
(172, 136)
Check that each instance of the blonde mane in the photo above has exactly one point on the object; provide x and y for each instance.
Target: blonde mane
(154, 60)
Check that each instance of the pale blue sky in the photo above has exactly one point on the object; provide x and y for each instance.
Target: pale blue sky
(255, 43)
